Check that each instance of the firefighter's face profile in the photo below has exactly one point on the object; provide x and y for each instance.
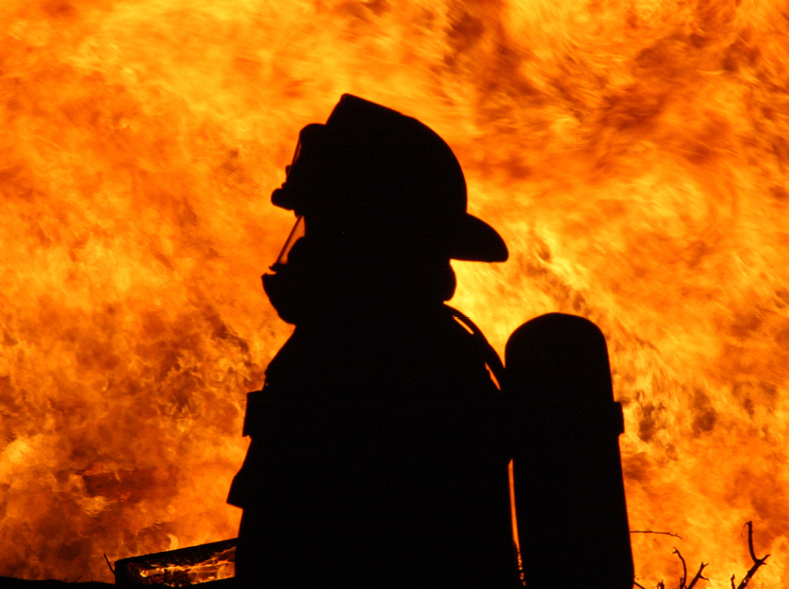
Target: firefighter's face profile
(303, 274)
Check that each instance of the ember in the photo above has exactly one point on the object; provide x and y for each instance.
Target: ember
(633, 155)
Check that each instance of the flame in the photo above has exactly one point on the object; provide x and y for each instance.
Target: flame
(190, 566)
(632, 153)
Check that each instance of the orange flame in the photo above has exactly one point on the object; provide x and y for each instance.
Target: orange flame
(633, 154)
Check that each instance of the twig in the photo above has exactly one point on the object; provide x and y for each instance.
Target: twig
(698, 576)
(750, 543)
(639, 585)
(683, 579)
(112, 570)
(757, 562)
(651, 532)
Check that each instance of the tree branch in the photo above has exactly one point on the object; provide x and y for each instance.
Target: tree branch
(698, 576)
(651, 532)
(112, 570)
(684, 577)
(757, 562)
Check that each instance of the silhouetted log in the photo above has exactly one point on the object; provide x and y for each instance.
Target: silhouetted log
(180, 568)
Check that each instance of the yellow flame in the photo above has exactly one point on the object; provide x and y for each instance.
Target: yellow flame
(633, 154)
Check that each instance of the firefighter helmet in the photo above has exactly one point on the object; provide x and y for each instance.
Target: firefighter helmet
(383, 178)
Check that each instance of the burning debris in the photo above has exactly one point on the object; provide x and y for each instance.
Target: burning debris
(179, 568)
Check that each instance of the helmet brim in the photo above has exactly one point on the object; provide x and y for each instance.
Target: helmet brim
(473, 240)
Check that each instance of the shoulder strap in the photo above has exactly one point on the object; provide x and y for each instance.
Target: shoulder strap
(488, 353)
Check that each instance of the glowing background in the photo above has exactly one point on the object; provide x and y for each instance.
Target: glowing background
(634, 155)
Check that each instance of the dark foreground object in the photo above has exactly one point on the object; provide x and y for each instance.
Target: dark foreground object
(569, 491)
(205, 563)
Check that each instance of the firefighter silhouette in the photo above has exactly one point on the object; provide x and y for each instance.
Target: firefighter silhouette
(375, 457)
(380, 443)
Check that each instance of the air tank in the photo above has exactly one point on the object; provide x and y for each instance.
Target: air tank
(569, 491)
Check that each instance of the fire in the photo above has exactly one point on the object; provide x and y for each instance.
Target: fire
(633, 154)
